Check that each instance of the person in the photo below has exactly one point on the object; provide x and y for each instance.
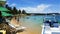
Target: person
(0, 17)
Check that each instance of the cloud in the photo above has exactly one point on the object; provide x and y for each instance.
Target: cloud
(13, 4)
(38, 9)
(7, 3)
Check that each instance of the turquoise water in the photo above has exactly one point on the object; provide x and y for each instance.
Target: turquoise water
(36, 20)
(32, 20)
(32, 23)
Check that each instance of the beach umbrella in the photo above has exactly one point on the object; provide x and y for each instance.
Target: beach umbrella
(4, 9)
(6, 14)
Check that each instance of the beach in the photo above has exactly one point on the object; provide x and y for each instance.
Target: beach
(31, 31)
(33, 24)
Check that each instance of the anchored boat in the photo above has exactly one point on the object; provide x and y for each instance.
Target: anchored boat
(50, 26)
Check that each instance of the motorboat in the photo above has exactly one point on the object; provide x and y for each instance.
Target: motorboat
(50, 26)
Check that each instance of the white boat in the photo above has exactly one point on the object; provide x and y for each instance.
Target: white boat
(50, 26)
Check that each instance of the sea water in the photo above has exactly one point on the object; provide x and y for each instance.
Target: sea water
(34, 23)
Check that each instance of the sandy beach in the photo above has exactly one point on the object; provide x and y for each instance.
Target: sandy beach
(31, 31)
(31, 27)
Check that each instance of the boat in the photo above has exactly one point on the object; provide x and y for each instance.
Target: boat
(50, 26)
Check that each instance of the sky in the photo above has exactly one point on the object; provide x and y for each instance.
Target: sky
(36, 6)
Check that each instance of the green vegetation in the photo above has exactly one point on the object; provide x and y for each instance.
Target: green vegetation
(15, 11)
